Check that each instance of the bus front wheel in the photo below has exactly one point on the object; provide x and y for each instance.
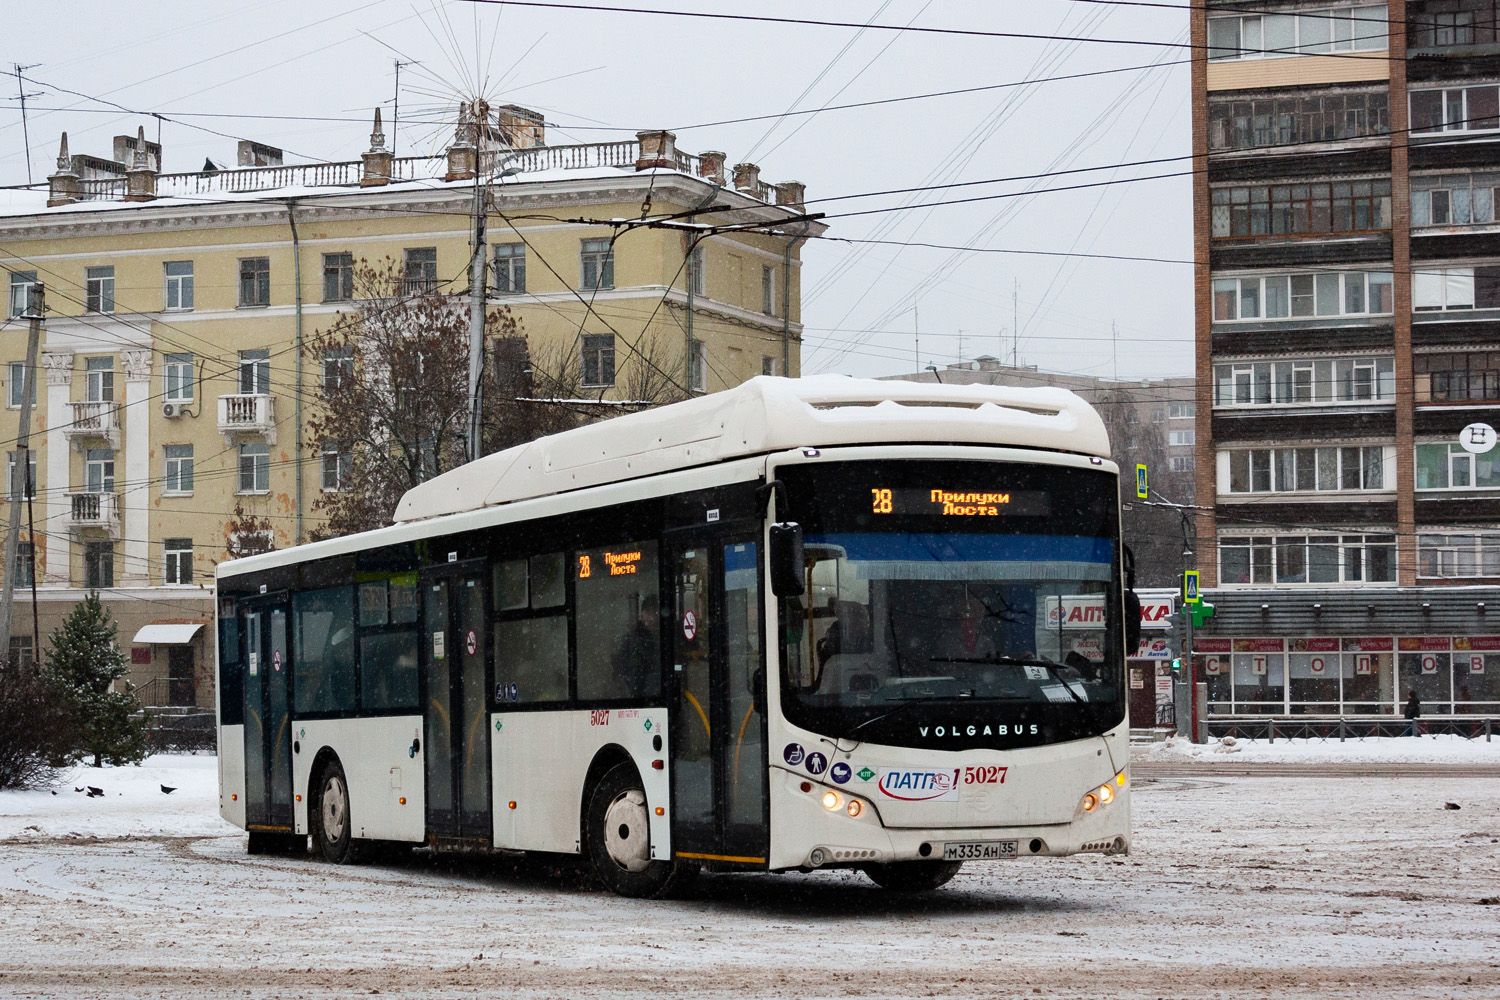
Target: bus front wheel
(619, 840)
(332, 827)
(913, 876)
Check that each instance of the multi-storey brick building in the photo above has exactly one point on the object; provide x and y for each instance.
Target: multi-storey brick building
(171, 389)
(1347, 300)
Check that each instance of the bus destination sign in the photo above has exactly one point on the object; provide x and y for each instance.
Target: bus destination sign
(960, 503)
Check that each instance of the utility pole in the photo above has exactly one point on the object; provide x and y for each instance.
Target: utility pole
(34, 306)
(396, 105)
(477, 289)
(916, 333)
(25, 133)
(1015, 321)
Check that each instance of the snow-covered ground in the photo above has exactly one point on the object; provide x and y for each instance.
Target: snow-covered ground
(133, 803)
(1376, 750)
(1237, 888)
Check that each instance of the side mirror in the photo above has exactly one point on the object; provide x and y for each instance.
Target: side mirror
(786, 560)
(1132, 623)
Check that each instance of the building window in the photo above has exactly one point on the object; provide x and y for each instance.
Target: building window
(18, 385)
(1270, 36)
(697, 367)
(255, 281)
(98, 565)
(1181, 463)
(768, 365)
(12, 475)
(510, 268)
(1456, 378)
(597, 264)
(419, 270)
(1294, 118)
(697, 277)
(1302, 296)
(1181, 439)
(1298, 209)
(25, 564)
(512, 367)
(768, 290)
(99, 290)
(1456, 556)
(179, 276)
(19, 302)
(338, 368)
(1448, 23)
(1306, 559)
(1304, 470)
(255, 373)
(99, 380)
(255, 467)
(1446, 466)
(1306, 382)
(177, 378)
(338, 277)
(177, 476)
(1453, 199)
(335, 462)
(1457, 109)
(21, 652)
(1450, 289)
(1181, 411)
(179, 560)
(598, 359)
(99, 470)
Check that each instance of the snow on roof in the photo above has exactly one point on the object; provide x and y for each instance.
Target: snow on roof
(764, 415)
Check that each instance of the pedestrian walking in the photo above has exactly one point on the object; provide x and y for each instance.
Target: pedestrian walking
(1413, 712)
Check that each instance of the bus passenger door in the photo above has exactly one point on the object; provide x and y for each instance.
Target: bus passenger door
(457, 742)
(718, 722)
(268, 719)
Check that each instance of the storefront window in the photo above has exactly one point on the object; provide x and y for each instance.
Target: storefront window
(1259, 676)
(1426, 667)
(1313, 675)
(1368, 677)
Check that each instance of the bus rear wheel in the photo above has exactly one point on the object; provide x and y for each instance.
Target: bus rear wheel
(619, 840)
(913, 876)
(332, 827)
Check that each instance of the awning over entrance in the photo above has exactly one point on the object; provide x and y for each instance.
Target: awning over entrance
(167, 635)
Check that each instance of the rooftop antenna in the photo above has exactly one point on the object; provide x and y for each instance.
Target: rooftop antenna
(396, 104)
(21, 93)
(1015, 321)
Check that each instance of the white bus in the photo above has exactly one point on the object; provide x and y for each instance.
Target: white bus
(800, 624)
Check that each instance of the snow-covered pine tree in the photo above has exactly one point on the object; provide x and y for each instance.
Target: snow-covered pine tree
(84, 662)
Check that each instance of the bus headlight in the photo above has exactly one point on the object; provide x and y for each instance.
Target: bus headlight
(1090, 802)
(855, 807)
(1106, 794)
(832, 800)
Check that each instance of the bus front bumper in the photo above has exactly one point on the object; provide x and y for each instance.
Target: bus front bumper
(806, 834)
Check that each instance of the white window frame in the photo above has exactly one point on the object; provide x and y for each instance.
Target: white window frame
(177, 378)
(335, 460)
(338, 368)
(1264, 470)
(177, 471)
(1183, 438)
(1354, 550)
(1457, 460)
(99, 380)
(17, 374)
(1455, 105)
(596, 264)
(339, 267)
(1252, 290)
(598, 369)
(10, 474)
(1460, 555)
(99, 289)
(254, 458)
(177, 291)
(99, 470)
(177, 562)
(255, 372)
(510, 268)
(1182, 411)
(1333, 29)
(19, 296)
(698, 367)
(1320, 382)
(698, 270)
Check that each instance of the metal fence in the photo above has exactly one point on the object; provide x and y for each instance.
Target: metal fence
(1471, 727)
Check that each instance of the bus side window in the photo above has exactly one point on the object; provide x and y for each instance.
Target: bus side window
(531, 630)
(619, 621)
(323, 651)
(388, 655)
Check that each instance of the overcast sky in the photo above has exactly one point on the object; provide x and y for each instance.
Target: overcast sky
(602, 76)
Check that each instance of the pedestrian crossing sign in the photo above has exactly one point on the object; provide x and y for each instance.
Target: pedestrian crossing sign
(1140, 481)
(1190, 587)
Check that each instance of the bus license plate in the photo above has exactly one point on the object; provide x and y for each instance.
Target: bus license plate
(985, 850)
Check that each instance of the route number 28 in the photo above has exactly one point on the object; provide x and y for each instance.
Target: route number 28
(880, 501)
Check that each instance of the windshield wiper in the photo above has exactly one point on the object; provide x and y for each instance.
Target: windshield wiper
(1018, 661)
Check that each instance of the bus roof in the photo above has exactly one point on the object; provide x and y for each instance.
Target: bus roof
(763, 415)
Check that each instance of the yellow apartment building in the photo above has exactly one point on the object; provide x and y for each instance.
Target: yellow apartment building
(171, 389)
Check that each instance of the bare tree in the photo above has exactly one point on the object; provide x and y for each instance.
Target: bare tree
(1153, 532)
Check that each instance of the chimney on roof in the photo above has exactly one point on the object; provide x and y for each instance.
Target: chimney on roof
(379, 161)
(257, 154)
(462, 154)
(711, 166)
(657, 149)
(62, 186)
(126, 146)
(747, 179)
(791, 193)
(520, 128)
(140, 179)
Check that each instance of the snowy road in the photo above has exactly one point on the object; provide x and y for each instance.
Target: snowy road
(1239, 887)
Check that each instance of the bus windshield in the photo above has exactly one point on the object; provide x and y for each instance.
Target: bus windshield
(954, 604)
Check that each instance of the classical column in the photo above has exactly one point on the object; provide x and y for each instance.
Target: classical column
(135, 496)
(59, 369)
